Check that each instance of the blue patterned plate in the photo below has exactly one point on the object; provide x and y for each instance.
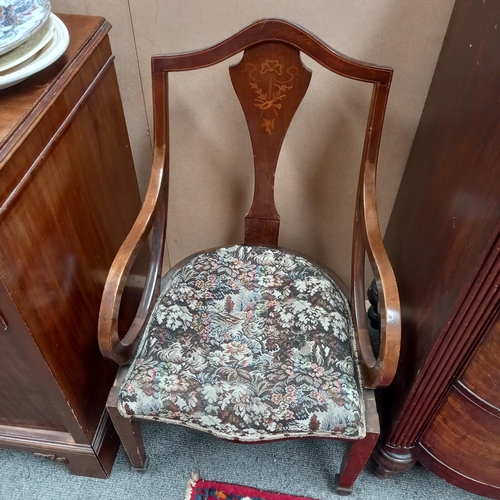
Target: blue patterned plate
(49, 54)
(19, 19)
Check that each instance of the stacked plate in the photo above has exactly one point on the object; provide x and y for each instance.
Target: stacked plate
(31, 38)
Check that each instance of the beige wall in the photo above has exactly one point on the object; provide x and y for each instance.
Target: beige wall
(211, 159)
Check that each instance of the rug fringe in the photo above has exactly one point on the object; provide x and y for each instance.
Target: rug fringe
(195, 476)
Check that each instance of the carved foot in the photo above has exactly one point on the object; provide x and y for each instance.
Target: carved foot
(390, 461)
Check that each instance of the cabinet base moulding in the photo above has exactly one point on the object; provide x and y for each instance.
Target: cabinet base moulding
(93, 460)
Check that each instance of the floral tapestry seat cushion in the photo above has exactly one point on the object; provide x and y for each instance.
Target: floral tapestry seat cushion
(249, 343)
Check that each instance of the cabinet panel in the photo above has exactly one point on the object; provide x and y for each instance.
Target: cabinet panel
(68, 197)
(66, 207)
(23, 396)
(461, 430)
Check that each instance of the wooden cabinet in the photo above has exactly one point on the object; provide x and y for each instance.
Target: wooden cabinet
(443, 240)
(68, 197)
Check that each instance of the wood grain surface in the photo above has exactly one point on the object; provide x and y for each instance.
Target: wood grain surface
(68, 196)
(444, 242)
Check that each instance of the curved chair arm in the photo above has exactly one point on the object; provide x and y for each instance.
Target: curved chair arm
(152, 215)
(377, 372)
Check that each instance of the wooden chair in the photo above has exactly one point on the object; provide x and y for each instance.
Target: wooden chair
(252, 342)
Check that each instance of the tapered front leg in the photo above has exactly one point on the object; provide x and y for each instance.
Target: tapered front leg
(356, 455)
(128, 430)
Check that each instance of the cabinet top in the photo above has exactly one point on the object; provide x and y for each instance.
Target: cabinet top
(22, 105)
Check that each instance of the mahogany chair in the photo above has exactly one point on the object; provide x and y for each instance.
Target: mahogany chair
(252, 342)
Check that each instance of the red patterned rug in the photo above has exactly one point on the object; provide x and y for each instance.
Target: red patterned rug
(199, 489)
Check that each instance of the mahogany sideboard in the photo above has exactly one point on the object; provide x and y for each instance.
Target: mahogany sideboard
(443, 239)
(68, 197)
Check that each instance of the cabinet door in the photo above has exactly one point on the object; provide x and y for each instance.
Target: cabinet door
(62, 226)
(24, 400)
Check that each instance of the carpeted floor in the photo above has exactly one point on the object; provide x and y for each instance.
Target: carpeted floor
(295, 467)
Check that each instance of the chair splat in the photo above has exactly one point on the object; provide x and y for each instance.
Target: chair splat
(270, 82)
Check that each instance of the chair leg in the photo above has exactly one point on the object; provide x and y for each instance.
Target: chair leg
(128, 430)
(356, 455)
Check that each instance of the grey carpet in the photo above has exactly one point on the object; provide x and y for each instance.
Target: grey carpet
(294, 467)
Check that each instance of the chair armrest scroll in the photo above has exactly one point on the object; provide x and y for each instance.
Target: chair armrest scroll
(377, 372)
(152, 215)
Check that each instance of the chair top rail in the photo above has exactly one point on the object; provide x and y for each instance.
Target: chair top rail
(277, 30)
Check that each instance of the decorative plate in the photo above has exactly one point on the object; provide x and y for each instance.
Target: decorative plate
(19, 19)
(27, 49)
(49, 54)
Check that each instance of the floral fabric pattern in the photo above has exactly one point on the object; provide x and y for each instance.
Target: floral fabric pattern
(249, 343)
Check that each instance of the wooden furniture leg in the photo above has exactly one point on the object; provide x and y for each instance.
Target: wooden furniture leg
(128, 430)
(357, 453)
(389, 460)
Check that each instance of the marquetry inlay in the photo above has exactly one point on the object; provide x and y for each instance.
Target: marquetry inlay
(270, 83)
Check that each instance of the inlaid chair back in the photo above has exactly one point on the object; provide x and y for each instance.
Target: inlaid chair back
(270, 82)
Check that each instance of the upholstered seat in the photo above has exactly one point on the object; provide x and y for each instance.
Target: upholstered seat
(276, 356)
